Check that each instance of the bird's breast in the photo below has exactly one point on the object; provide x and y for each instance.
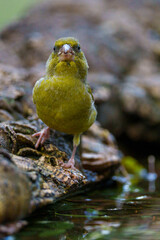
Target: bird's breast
(64, 104)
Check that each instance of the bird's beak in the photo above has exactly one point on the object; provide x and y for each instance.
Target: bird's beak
(66, 53)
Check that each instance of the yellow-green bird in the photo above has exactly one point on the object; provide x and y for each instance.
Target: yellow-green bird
(63, 98)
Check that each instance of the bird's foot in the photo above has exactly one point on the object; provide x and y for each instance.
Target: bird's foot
(43, 136)
(69, 164)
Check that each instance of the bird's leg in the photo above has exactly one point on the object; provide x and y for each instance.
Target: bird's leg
(71, 162)
(43, 136)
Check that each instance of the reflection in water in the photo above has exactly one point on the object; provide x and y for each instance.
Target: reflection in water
(152, 176)
(124, 212)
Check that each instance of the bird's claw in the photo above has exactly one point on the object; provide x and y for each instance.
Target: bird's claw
(36, 134)
(69, 164)
(43, 136)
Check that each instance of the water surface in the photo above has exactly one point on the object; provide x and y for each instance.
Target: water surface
(120, 211)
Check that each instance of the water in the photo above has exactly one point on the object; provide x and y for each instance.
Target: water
(122, 211)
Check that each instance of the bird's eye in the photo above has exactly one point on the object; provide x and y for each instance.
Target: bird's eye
(78, 48)
(54, 49)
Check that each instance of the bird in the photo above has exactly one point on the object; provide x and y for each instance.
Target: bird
(63, 98)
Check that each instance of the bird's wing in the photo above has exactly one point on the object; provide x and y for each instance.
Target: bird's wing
(37, 84)
(89, 90)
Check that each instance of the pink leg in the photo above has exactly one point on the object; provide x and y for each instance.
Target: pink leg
(43, 135)
(71, 162)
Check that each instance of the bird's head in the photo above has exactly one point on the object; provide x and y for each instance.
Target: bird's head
(67, 58)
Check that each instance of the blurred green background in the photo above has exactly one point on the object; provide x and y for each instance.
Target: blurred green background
(11, 10)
